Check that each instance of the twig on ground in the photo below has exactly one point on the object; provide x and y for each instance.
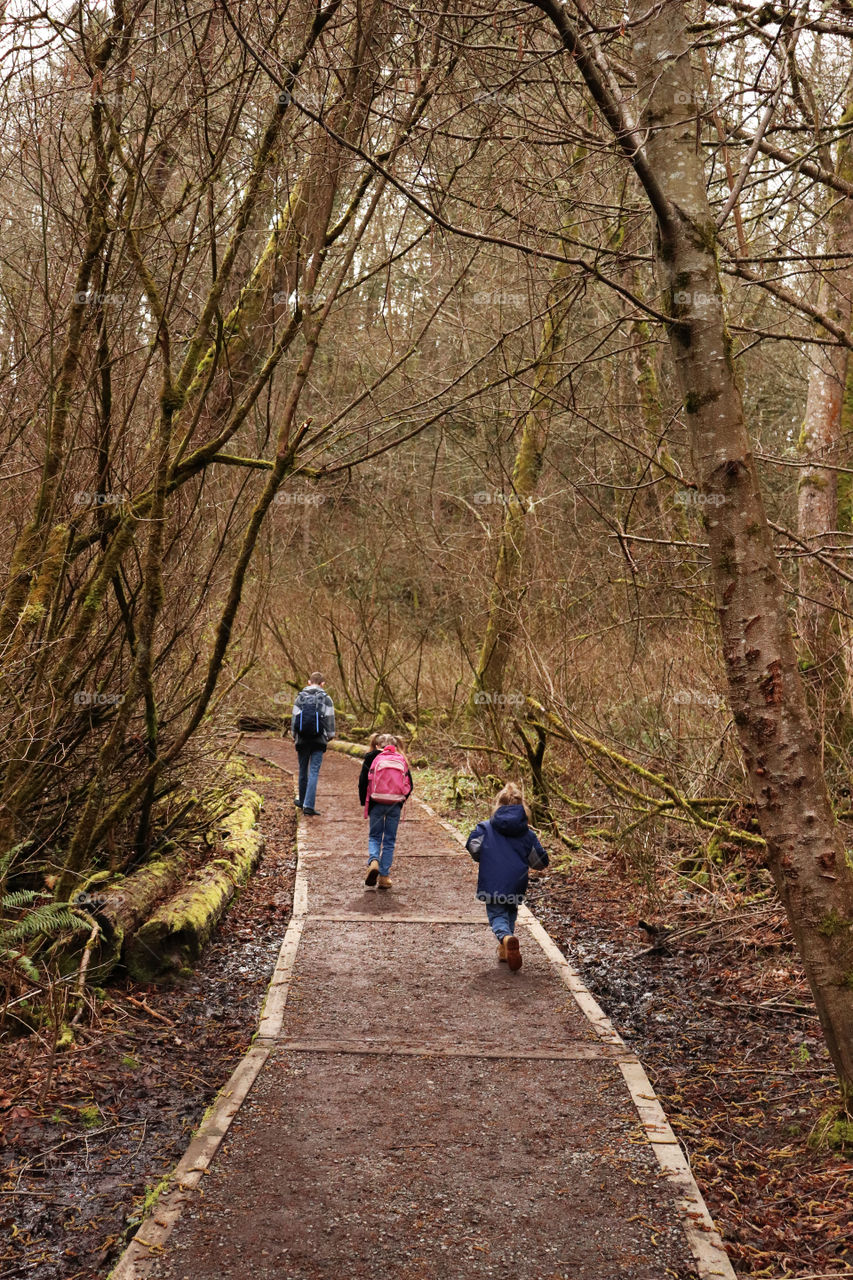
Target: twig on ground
(140, 1004)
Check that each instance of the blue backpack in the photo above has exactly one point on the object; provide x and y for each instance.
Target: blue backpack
(310, 714)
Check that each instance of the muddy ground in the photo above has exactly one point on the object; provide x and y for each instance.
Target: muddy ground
(722, 1019)
(80, 1152)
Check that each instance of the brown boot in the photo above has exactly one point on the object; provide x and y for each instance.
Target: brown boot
(372, 873)
(502, 950)
(513, 953)
(384, 882)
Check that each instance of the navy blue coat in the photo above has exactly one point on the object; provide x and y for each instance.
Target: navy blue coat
(506, 848)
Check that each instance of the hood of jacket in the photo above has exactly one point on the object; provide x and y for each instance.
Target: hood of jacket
(510, 820)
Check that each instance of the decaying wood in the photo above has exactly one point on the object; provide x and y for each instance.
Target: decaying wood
(173, 938)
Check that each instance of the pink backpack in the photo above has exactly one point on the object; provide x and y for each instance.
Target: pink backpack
(388, 780)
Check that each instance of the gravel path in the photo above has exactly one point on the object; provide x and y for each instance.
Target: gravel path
(425, 1113)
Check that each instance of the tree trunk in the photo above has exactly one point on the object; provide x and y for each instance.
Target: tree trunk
(805, 851)
(820, 449)
(507, 583)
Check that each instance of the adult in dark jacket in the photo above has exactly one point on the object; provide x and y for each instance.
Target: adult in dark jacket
(312, 726)
(506, 847)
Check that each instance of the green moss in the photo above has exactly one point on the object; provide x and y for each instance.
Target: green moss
(714, 852)
(91, 1116)
(174, 937)
(66, 1039)
(833, 924)
(848, 980)
(802, 438)
(32, 614)
(131, 1063)
(153, 1194)
(833, 1131)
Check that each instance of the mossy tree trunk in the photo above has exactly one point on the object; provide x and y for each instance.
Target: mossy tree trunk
(260, 301)
(508, 584)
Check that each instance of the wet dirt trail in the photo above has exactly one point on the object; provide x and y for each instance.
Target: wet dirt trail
(422, 1112)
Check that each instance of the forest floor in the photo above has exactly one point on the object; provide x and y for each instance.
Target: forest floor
(85, 1143)
(723, 1022)
(721, 1019)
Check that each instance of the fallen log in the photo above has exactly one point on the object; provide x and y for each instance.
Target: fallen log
(259, 724)
(121, 906)
(348, 748)
(173, 938)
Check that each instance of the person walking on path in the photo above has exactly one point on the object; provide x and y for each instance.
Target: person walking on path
(506, 847)
(384, 786)
(312, 726)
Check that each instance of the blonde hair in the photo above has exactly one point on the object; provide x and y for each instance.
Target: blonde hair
(379, 740)
(510, 793)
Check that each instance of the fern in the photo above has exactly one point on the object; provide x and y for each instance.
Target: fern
(23, 963)
(49, 920)
(7, 859)
(21, 898)
(26, 917)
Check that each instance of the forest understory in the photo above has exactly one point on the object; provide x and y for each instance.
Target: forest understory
(723, 1022)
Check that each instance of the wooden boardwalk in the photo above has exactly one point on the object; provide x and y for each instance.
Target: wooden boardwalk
(412, 1110)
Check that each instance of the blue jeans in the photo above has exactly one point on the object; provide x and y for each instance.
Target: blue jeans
(384, 820)
(309, 771)
(502, 918)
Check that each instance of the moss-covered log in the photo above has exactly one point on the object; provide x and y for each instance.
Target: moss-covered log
(173, 938)
(121, 906)
(348, 748)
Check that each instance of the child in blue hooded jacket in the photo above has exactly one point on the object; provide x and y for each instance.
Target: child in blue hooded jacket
(506, 848)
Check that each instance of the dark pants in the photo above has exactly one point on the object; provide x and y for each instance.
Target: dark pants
(310, 760)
